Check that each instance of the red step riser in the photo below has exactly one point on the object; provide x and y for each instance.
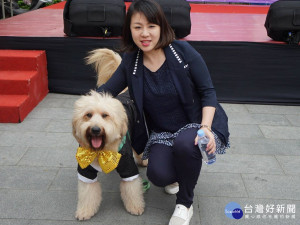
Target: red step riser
(16, 114)
(42, 68)
(9, 115)
(29, 105)
(17, 63)
(36, 86)
(38, 90)
(31, 85)
(11, 106)
(14, 87)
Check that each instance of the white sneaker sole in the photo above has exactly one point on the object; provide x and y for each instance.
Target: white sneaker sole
(172, 190)
(190, 215)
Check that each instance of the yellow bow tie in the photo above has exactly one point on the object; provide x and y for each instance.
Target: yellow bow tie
(108, 160)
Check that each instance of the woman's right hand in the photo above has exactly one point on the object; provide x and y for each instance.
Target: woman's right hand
(211, 146)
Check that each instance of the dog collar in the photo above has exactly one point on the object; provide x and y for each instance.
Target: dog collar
(123, 141)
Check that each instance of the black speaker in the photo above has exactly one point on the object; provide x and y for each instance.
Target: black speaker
(283, 21)
(178, 16)
(104, 18)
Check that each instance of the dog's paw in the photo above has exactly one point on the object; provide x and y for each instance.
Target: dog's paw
(84, 214)
(135, 210)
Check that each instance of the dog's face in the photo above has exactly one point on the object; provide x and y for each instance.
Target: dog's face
(99, 120)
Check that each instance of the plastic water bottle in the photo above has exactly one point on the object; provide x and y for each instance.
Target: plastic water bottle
(202, 143)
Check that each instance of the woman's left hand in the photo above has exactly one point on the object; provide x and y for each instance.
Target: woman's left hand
(211, 146)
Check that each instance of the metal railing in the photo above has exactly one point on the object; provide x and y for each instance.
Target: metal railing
(3, 9)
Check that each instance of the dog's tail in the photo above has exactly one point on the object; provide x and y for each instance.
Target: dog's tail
(105, 62)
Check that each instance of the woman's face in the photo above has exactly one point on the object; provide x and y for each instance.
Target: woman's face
(144, 34)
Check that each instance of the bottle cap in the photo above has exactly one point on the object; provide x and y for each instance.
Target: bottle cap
(200, 133)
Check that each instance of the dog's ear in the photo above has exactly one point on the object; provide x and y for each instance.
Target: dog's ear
(75, 133)
(74, 123)
(124, 124)
(124, 128)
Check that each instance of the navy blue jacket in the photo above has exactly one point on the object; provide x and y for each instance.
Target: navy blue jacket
(192, 82)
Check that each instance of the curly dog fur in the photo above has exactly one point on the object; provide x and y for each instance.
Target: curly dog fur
(99, 123)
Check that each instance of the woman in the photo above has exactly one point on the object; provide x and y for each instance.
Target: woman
(174, 96)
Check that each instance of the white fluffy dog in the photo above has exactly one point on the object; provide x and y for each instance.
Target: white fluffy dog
(100, 125)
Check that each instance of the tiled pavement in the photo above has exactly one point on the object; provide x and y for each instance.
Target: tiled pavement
(38, 178)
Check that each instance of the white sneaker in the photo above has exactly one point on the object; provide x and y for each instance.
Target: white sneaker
(172, 189)
(181, 215)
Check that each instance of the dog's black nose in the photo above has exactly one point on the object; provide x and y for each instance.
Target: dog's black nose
(96, 130)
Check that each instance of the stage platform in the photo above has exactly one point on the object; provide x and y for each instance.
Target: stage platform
(245, 64)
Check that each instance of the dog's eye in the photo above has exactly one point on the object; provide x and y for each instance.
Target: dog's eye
(104, 115)
(89, 115)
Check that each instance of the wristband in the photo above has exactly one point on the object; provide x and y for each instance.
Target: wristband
(206, 126)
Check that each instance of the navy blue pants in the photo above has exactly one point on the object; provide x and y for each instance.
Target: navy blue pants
(180, 163)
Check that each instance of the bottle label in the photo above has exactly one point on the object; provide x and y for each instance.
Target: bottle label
(207, 158)
(204, 152)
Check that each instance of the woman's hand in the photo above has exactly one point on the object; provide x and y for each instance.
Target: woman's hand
(211, 146)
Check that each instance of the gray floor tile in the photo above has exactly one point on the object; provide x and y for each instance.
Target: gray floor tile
(69, 103)
(220, 184)
(294, 119)
(232, 163)
(59, 101)
(75, 222)
(27, 125)
(60, 96)
(273, 109)
(36, 139)
(37, 204)
(51, 113)
(237, 108)
(262, 119)
(290, 164)
(245, 130)
(57, 125)
(26, 178)
(263, 146)
(272, 186)
(14, 222)
(10, 156)
(50, 156)
(65, 180)
(280, 132)
(49, 102)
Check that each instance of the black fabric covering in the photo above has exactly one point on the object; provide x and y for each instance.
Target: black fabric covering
(131, 112)
(88, 172)
(127, 167)
(242, 72)
(67, 71)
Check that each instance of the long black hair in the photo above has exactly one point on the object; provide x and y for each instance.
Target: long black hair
(154, 14)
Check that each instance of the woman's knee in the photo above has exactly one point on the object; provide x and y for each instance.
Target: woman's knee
(184, 145)
(159, 177)
(160, 169)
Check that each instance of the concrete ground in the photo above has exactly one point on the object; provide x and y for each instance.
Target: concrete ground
(260, 172)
